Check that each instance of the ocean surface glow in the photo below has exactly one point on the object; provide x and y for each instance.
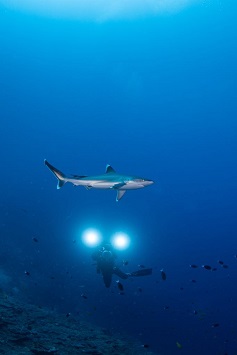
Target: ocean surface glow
(100, 10)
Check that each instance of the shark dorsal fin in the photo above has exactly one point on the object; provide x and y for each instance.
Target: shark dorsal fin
(109, 169)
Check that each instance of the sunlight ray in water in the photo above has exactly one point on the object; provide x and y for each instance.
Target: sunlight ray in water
(99, 10)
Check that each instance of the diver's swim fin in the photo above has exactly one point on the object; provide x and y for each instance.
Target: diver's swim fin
(142, 272)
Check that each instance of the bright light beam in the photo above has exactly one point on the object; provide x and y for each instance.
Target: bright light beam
(91, 237)
(120, 241)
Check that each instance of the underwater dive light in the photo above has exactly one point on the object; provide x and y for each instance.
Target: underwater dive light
(91, 237)
(120, 241)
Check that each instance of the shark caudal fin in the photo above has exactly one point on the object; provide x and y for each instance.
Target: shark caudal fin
(59, 175)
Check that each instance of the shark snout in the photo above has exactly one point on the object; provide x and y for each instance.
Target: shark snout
(148, 182)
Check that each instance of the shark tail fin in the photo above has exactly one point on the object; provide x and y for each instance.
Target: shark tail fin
(59, 175)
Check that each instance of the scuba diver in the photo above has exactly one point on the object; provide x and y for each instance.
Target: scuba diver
(105, 264)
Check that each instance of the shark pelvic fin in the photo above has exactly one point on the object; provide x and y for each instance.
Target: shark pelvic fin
(109, 169)
(88, 187)
(120, 194)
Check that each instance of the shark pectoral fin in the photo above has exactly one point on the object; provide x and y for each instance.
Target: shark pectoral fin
(120, 194)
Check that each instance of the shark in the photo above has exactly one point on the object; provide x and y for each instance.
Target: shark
(109, 180)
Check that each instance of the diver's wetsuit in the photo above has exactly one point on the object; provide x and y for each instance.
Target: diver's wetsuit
(106, 266)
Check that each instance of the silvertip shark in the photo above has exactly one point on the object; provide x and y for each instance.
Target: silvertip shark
(109, 180)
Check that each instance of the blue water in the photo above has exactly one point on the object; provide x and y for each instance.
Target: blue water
(154, 96)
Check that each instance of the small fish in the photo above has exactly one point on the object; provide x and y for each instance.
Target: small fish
(193, 266)
(35, 239)
(207, 267)
(194, 281)
(141, 266)
(214, 269)
(166, 307)
(163, 274)
(120, 286)
(27, 273)
(179, 345)
(215, 325)
(125, 262)
(195, 312)
(145, 346)
(68, 315)
(220, 262)
(74, 241)
(235, 256)
(84, 296)
(225, 266)
(139, 289)
(181, 288)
